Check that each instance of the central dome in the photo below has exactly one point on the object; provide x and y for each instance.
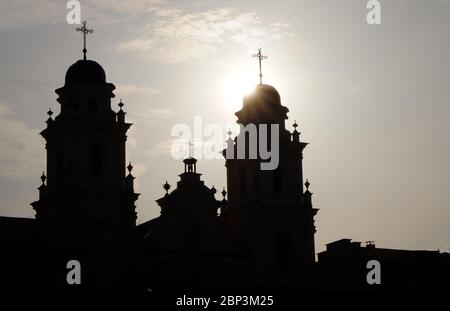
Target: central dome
(262, 106)
(86, 72)
(268, 89)
(266, 94)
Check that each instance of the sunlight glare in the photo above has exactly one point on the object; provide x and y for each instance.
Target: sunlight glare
(238, 82)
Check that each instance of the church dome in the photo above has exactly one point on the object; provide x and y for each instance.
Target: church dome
(268, 89)
(263, 105)
(267, 94)
(86, 72)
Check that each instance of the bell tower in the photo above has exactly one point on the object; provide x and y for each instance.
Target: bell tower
(85, 146)
(268, 212)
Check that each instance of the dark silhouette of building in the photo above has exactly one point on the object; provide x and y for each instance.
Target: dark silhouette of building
(260, 236)
(267, 212)
(186, 247)
(86, 205)
(85, 146)
(343, 266)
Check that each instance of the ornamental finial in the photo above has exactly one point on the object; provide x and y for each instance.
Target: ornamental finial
(166, 187)
(129, 168)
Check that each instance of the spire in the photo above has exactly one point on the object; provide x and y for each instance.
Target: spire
(85, 31)
(260, 58)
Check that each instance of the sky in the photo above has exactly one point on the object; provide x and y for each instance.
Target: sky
(373, 101)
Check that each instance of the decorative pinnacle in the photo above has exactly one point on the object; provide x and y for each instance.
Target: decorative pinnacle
(120, 104)
(129, 168)
(295, 125)
(307, 184)
(213, 190)
(229, 133)
(224, 192)
(166, 187)
(50, 112)
(43, 178)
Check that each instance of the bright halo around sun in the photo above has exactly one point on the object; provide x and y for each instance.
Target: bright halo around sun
(238, 82)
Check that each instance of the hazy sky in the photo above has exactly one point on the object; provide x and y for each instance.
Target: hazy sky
(372, 101)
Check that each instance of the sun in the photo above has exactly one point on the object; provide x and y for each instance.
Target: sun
(237, 83)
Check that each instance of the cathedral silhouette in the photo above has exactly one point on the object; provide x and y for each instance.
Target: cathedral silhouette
(260, 236)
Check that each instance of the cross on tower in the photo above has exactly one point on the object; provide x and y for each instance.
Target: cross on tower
(85, 31)
(260, 58)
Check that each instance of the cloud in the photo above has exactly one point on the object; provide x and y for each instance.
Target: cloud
(116, 11)
(154, 113)
(163, 147)
(176, 37)
(17, 13)
(25, 13)
(4, 110)
(135, 45)
(140, 108)
(171, 36)
(124, 7)
(131, 89)
(168, 11)
(139, 169)
(21, 147)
